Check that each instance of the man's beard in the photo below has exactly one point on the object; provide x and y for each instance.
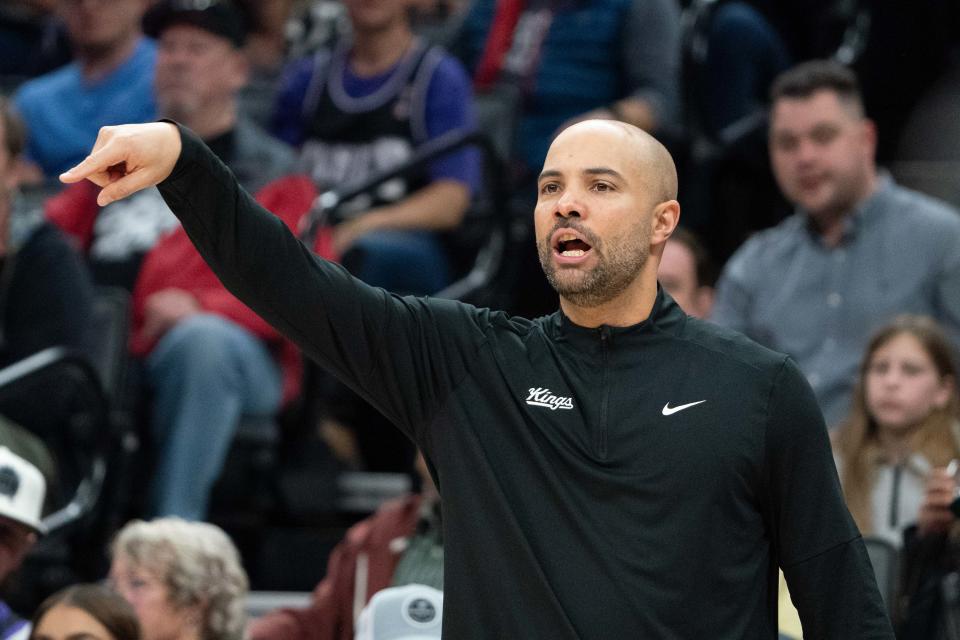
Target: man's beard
(614, 272)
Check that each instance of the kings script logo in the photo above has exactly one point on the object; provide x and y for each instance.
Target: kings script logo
(540, 397)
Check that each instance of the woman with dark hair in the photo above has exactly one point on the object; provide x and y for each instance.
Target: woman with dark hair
(88, 611)
(903, 425)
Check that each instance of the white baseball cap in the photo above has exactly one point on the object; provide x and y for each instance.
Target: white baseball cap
(22, 489)
(411, 612)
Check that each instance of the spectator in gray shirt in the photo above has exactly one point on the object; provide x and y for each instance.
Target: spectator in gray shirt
(859, 250)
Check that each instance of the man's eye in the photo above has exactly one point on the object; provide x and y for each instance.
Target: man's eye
(550, 187)
(824, 135)
(602, 186)
(785, 143)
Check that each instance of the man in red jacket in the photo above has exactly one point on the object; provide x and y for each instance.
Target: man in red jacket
(400, 544)
(208, 359)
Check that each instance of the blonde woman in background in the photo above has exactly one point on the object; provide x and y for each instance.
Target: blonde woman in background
(183, 579)
(903, 424)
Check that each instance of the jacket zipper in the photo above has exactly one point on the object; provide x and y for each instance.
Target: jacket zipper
(601, 437)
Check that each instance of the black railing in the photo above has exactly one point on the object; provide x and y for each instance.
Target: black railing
(327, 205)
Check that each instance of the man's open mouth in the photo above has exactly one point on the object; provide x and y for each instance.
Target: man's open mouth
(569, 244)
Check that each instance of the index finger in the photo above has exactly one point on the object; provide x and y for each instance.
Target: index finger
(95, 166)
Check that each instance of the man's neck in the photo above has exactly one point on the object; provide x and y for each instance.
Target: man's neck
(214, 120)
(831, 224)
(375, 52)
(95, 64)
(631, 307)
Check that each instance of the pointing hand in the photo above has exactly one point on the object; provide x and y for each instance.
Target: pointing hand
(128, 158)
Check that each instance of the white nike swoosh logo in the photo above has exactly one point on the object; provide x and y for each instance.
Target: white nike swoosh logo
(669, 411)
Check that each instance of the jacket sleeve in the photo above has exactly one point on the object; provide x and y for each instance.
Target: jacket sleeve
(819, 547)
(289, 199)
(403, 355)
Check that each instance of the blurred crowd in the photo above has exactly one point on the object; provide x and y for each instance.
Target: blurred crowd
(144, 410)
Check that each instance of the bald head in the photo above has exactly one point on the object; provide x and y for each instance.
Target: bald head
(606, 203)
(653, 160)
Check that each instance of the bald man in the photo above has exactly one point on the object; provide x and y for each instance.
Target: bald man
(613, 470)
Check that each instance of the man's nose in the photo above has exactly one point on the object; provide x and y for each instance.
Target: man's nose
(570, 205)
(806, 151)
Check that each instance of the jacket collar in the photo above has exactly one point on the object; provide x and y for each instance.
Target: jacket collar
(666, 316)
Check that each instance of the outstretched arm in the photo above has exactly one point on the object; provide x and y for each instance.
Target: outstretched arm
(401, 354)
(250, 249)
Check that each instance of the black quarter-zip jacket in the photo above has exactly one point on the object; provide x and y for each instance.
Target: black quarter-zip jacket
(639, 482)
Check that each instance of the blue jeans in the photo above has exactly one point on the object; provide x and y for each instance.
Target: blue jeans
(206, 373)
(403, 262)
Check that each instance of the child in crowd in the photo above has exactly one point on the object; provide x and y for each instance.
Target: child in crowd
(87, 611)
(904, 423)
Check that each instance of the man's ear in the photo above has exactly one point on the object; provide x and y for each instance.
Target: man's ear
(665, 218)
